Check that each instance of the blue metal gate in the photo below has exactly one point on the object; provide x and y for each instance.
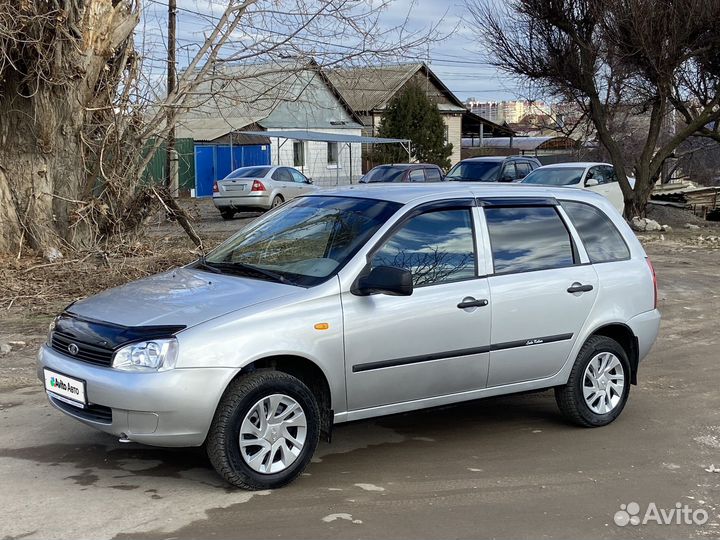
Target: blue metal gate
(215, 161)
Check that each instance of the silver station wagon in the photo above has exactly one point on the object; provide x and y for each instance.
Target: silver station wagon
(359, 302)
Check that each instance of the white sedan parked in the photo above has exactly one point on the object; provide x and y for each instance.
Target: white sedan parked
(258, 188)
(598, 177)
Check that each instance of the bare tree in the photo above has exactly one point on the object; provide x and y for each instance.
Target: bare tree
(82, 114)
(639, 59)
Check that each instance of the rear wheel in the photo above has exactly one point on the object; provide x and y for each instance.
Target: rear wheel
(227, 214)
(599, 384)
(265, 430)
(277, 201)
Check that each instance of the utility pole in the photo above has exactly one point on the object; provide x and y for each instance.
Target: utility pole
(171, 165)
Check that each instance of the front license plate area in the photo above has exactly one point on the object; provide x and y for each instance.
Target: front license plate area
(69, 389)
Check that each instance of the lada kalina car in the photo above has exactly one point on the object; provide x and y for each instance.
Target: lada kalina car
(359, 302)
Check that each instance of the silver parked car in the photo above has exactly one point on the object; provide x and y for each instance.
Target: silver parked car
(258, 188)
(359, 302)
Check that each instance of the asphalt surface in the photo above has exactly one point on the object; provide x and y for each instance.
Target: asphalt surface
(505, 468)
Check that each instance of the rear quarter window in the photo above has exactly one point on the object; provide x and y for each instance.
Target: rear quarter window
(603, 242)
(524, 239)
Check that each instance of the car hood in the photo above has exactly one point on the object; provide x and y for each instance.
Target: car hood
(184, 296)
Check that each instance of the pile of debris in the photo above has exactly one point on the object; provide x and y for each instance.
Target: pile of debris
(703, 201)
(648, 225)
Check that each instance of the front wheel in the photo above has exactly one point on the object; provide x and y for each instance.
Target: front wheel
(265, 430)
(599, 384)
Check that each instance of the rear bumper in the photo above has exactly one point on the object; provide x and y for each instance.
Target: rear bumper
(645, 327)
(258, 199)
(169, 408)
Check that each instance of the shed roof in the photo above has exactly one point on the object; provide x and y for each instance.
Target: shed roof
(304, 135)
(236, 96)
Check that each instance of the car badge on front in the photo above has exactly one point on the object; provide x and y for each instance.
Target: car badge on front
(73, 349)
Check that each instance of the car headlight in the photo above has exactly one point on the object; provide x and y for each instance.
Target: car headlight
(51, 329)
(152, 355)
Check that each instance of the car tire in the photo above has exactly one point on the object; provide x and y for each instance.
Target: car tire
(227, 214)
(263, 468)
(277, 201)
(592, 396)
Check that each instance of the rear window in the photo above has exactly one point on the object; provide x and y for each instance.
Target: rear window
(602, 240)
(249, 172)
(385, 174)
(527, 239)
(474, 171)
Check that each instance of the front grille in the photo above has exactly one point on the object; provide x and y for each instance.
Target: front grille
(92, 412)
(100, 356)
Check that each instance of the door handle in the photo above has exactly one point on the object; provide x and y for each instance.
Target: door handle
(470, 302)
(578, 287)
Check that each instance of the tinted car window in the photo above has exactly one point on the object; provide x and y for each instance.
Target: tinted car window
(475, 171)
(433, 175)
(417, 175)
(282, 175)
(436, 247)
(385, 173)
(525, 239)
(523, 169)
(555, 176)
(509, 172)
(249, 172)
(601, 238)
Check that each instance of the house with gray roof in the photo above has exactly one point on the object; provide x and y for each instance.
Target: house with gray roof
(259, 97)
(368, 90)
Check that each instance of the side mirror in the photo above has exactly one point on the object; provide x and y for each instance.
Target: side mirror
(591, 182)
(309, 180)
(384, 280)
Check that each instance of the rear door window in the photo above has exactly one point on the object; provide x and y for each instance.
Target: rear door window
(524, 239)
(523, 169)
(282, 175)
(433, 175)
(603, 242)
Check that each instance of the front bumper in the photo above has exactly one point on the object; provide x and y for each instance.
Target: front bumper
(259, 199)
(168, 408)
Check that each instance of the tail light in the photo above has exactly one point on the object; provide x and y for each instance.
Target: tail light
(257, 186)
(216, 189)
(655, 284)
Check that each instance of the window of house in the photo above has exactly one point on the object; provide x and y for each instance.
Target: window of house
(299, 154)
(437, 247)
(602, 241)
(528, 238)
(332, 153)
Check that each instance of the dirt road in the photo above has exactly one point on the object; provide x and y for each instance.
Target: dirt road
(504, 468)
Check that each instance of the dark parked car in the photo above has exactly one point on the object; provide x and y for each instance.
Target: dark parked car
(493, 169)
(404, 172)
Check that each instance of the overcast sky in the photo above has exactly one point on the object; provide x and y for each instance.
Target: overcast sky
(457, 60)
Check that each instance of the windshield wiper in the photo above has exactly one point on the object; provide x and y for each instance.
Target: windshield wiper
(202, 263)
(238, 267)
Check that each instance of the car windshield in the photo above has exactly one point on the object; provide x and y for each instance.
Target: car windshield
(249, 172)
(384, 173)
(303, 242)
(555, 176)
(474, 171)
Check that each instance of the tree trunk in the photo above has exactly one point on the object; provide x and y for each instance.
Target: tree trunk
(52, 98)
